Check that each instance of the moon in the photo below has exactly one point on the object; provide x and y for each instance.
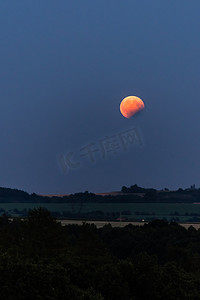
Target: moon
(130, 106)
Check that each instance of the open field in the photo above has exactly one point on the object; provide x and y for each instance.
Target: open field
(100, 224)
(178, 212)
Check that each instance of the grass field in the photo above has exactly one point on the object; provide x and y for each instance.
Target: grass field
(137, 211)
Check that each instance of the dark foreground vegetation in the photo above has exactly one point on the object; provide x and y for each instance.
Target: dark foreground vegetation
(40, 259)
(132, 194)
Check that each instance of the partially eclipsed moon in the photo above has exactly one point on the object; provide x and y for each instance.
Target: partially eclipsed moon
(130, 106)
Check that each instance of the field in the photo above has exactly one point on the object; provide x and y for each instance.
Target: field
(136, 212)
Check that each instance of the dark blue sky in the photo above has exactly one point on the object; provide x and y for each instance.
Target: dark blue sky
(65, 66)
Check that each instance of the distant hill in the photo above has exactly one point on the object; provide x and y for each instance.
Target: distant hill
(132, 194)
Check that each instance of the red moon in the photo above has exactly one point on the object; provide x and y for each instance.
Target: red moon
(130, 106)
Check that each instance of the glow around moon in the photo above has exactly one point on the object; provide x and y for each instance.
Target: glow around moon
(130, 106)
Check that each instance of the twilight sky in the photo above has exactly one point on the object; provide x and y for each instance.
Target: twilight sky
(65, 66)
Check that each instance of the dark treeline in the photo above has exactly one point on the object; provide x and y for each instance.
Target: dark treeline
(40, 259)
(133, 194)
